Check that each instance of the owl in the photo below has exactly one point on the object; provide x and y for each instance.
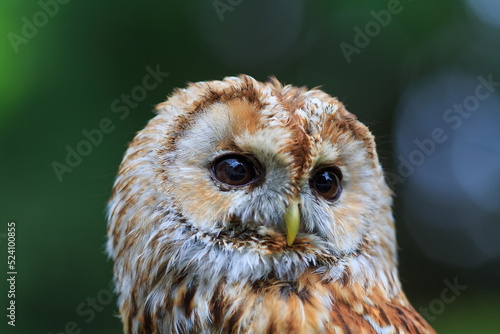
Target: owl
(250, 207)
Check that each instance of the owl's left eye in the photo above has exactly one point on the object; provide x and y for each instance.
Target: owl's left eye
(234, 170)
(326, 182)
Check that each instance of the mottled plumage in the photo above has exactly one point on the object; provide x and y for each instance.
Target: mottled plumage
(197, 227)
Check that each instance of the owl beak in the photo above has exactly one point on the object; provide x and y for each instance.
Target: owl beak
(292, 220)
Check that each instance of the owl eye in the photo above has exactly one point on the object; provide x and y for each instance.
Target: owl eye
(234, 170)
(326, 182)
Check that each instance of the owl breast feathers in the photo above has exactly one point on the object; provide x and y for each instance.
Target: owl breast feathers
(249, 207)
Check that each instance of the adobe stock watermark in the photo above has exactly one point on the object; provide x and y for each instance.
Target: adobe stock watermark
(453, 118)
(448, 295)
(31, 26)
(94, 137)
(372, 29)
(88, 309)
(221, 6)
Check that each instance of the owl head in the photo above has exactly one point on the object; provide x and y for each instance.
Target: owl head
(249, 181)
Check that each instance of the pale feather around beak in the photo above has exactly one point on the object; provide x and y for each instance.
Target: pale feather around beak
(292, 220)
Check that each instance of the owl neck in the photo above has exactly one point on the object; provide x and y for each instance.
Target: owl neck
(198, 280)
(200, 296)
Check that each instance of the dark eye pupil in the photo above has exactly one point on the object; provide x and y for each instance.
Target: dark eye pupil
(326, 182)
(234, 170)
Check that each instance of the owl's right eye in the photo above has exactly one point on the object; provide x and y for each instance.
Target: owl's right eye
(234, 170)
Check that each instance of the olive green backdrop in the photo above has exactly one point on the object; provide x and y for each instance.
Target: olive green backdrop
(79, 78)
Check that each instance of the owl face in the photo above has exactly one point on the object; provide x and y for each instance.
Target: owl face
(229, 160)
(237, 166)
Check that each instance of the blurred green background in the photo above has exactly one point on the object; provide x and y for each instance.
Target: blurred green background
(398, 65)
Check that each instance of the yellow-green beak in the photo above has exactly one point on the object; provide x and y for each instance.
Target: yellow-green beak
(292, 220)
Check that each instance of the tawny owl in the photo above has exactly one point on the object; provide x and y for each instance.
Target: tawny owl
(249, 207)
